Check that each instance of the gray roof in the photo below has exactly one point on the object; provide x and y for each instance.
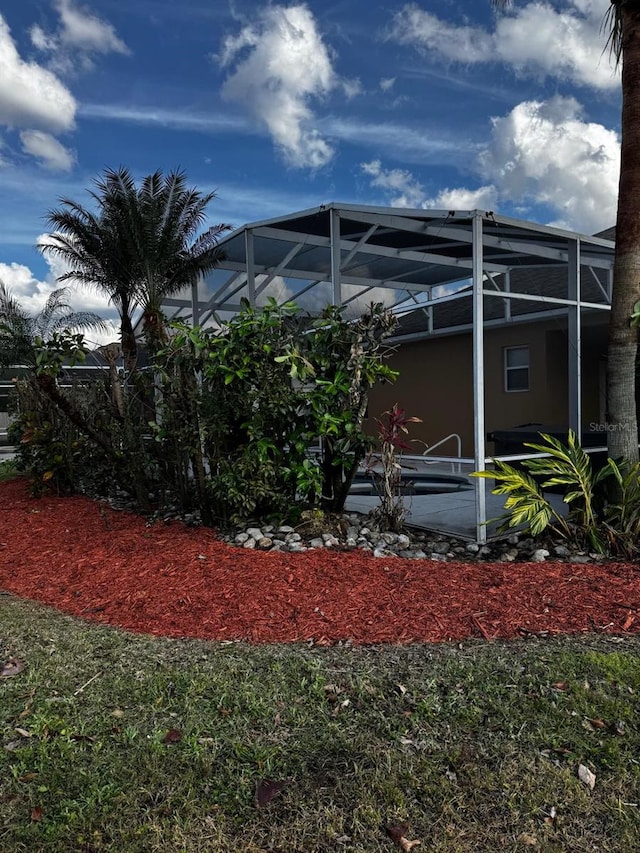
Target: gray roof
(411, 254)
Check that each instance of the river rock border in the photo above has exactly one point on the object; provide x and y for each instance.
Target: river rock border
(354, 531)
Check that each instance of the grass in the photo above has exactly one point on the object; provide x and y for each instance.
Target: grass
(474, 746)
(8, 469)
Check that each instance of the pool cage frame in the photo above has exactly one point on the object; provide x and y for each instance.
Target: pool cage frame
(509, 270)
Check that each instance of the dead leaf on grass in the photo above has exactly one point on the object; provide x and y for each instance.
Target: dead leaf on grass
(591, 725)
(587, 776)
(23, 732)
(12, 667)
(172, 736)
(37, 813)
(267, 789)
(398, 833)
(344, 704)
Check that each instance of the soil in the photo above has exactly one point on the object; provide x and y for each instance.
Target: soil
(111, 567)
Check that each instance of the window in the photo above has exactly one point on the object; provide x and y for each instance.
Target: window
(516, 369)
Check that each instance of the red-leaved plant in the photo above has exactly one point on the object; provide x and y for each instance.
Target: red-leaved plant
(385, 467)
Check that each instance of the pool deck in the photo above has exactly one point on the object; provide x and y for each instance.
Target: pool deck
(452, 513)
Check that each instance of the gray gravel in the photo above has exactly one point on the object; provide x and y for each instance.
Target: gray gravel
(353, 531)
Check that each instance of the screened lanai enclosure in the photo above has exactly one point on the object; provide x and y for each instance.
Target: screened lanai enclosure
(451, 276)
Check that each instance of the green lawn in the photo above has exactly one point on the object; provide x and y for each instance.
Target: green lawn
(124, 743)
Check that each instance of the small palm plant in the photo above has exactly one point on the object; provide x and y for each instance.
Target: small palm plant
(20, 331)
(565, 465)
(621, 521)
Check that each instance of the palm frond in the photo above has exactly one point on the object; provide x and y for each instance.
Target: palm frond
(612, 24)
(525, 503)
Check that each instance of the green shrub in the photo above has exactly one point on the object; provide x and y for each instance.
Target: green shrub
(603, 505)
(8, 469)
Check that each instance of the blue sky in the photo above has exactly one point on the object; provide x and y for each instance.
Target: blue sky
(280, 107)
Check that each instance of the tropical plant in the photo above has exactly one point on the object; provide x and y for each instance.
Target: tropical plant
(591, 519)
(252, 438)
(621, 517)
(19, 330)
(338, 362)
(392, 428)
(141, 246)
(269, 387)
(622, 23)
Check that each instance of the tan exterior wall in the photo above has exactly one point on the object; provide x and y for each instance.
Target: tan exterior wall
(436, 375)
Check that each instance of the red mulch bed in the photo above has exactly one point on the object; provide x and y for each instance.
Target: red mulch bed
(110, 567)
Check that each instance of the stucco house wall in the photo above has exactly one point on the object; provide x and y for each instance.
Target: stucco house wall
(436, 375)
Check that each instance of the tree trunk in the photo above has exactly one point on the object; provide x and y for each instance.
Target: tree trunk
(48, 386)
(622, 428)
(129, 344)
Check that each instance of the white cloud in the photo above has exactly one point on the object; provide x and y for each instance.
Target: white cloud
(352, 87)
(320, 295)
(544, 151)
(80, 34)
(412, 25)
(179, 118)
(40, 40)
(31, 96)
(405, 190)
(281, 65)
(51, 153)
(541, 153)
(419, 144)
(533, 38)
(460, 198)
(81, 29)
(387, 83)
(32, 293)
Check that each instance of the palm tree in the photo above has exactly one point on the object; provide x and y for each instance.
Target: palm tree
(622, 23)
(92, 246)
(19, 330)
(140, 247)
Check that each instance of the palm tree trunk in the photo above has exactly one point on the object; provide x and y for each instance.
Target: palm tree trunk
(129, 344)
(623, 338)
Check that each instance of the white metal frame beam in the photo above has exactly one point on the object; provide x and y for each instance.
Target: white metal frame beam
(382, 251)
(574, 342)
(479, 438)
